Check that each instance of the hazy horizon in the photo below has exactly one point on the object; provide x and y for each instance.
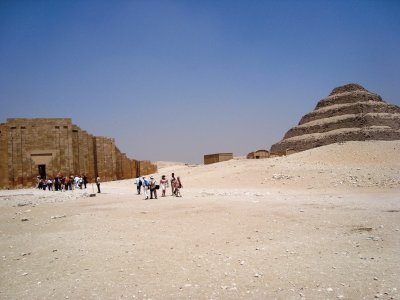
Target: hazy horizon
(174, 80)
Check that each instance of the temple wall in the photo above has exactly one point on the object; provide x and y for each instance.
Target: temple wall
(106, 158)
(119, 163)
(35, 142)
(3, 155)
(146, 168)
(84, 159)
(56, 146)
(127, 171)
(124, 167)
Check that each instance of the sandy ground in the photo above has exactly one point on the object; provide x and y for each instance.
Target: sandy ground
(321, 224)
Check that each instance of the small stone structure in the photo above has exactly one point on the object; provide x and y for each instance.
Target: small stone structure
(217, 157)
(258, 154)
(349, 113)
(46, 147)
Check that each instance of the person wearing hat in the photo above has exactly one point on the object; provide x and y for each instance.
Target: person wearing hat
(153, 187)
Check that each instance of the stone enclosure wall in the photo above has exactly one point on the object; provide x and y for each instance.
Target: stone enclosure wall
(57, 146)
(217, 157)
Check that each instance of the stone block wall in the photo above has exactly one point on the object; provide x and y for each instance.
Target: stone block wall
(83, 150)
(56, 146)
(217, 157)
(36, 142)
(3, 155)
(127, 171)
(106, 158)
(124, 166)
(146, 167)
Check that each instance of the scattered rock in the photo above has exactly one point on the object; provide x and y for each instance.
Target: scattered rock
(58, 217)
(281, 176)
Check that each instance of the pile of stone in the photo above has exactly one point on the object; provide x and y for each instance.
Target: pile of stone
(349, 113)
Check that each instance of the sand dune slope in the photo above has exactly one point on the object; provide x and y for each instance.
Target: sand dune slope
(372, 164)
(320, 224)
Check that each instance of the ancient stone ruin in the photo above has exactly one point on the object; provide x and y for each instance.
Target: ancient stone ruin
(262, 153)
(217, 157)
(47, 147)
(349, 113)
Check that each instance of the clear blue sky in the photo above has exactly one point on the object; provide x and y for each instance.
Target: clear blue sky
(174, 80)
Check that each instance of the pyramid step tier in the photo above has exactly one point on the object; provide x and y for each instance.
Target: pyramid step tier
(348, 97)
(309, 141)
(346, 121)
(348, 109)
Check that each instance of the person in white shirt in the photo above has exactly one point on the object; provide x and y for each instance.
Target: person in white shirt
(98, 183)
(138, 183)
(145, 187)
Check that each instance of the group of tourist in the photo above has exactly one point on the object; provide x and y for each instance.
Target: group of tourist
(145, 185)
(65, 183)
(62, 183)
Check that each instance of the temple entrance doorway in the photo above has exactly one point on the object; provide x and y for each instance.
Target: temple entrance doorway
(42, 171)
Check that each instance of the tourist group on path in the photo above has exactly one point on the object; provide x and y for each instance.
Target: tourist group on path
(145, 185)
(64, 183)
(61, 183)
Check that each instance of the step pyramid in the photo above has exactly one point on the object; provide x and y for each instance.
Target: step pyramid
(349, 113)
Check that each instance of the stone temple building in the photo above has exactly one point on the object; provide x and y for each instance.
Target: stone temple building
(349, 113)
(47, 147)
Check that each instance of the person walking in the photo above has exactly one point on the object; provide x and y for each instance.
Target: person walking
(80, 182)
(145, 187)
(172, 184)
(163, 185)
(85, 180)
(67, 182)
(178, 186)
(138, 183)
(153, 188)
(98, 184)
(50, 184)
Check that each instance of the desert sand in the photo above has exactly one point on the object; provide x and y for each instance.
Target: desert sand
(320, 224)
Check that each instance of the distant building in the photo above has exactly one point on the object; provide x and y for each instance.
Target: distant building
(258, 154)
(47, 147)
(217, 157)
(290, 151)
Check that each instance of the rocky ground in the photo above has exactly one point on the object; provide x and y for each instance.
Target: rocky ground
(321, 224)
